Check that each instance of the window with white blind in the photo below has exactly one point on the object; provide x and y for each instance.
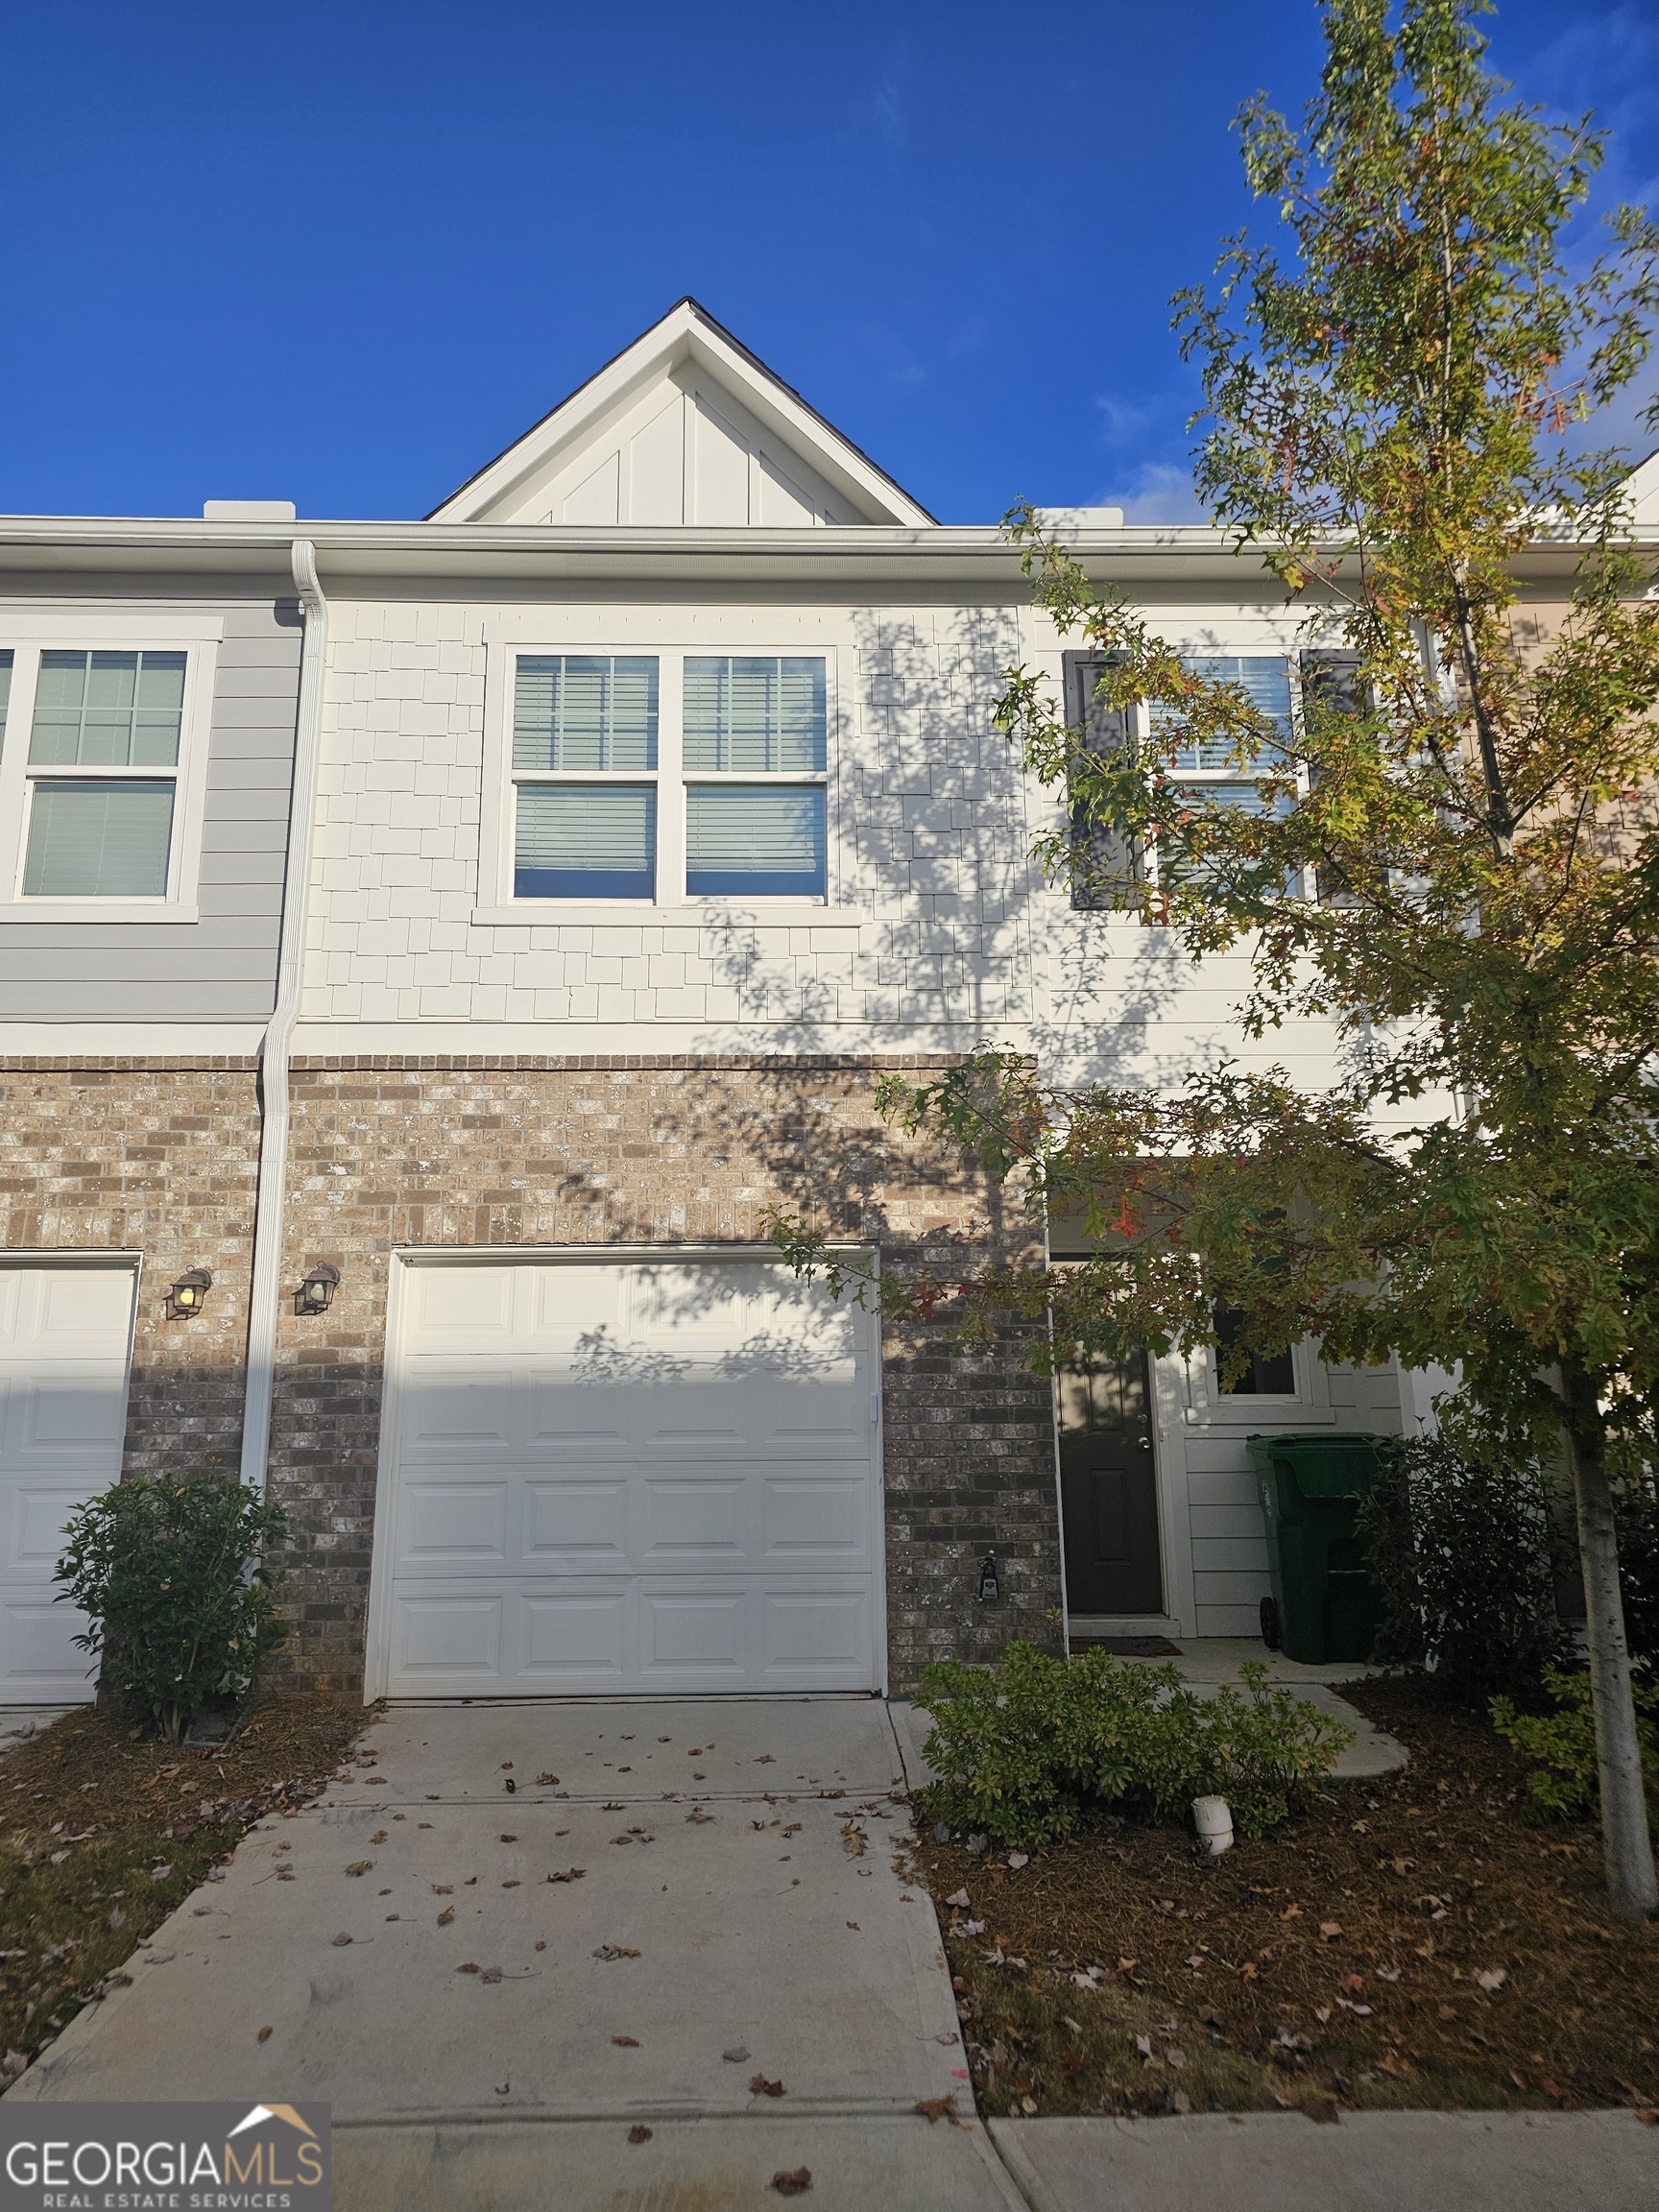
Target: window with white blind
(1211, 767)
(99, 779)
(668, 778)
(584, 746)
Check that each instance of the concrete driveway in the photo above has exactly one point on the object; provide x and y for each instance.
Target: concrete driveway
(491, 2024)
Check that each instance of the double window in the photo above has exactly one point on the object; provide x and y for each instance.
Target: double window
(91, 772)
(666, 779)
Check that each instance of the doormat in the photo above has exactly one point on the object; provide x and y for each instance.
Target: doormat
(1131, 1647)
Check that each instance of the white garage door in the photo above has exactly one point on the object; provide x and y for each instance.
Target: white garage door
(614, 1476)
(64, 1334)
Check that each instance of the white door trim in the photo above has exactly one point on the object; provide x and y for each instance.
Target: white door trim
(404, 1259)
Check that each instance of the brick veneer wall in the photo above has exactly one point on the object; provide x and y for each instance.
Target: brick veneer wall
(159, 1157)
(484, 1151)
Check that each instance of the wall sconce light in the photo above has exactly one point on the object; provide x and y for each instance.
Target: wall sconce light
(184, 1297)
(990, 1588)
(316, 1294)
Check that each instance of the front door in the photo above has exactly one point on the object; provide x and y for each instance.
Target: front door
(1109, 1488)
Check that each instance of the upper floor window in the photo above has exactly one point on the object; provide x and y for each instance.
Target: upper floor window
(697, 777)
(101, 772)
(103, 775)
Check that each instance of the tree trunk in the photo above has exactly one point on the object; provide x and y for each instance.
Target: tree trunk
(1632, 1885)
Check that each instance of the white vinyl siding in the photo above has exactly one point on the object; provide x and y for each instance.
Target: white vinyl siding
(102, 777)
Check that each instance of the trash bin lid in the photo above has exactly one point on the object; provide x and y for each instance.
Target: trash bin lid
(1323, 1463)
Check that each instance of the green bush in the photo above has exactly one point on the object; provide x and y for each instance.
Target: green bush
(1563, 1780)
(1030, 1753)
(1460, 1552)
(169, 1573)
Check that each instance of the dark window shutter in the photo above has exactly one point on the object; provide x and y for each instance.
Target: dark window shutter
(1107, 730)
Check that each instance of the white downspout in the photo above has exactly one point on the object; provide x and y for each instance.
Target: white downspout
(264, 1291)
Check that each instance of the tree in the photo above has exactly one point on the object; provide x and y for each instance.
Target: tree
(1450, 859)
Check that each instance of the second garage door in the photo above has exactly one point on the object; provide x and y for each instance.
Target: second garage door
(637, 1475)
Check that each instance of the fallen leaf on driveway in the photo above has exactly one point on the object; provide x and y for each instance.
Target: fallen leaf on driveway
(442, 1888)
(470, 1967)
(759, 2086)
(570, 1874)
(509, 1839)
(765, 1760)
(613, 1805)
(626, 2042)
(737, 2055)
(621, 1838)
(359, 1866)
(446, 1915)
(341, 1938)
(614, 1950)
(510, 1786)
(264, 2035)
(638, 2132)
(378, 1837)
(936, 2108)
(794, 2183)
(490, 1974)
(854, 1925)
(698, 1815)
(546, 1781)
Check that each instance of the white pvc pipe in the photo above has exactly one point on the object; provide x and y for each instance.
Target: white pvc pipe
(1213, 1817)
(265, 1288)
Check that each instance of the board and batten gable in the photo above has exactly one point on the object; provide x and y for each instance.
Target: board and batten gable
(219, 964)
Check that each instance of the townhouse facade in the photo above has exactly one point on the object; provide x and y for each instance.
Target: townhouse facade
(428, 951)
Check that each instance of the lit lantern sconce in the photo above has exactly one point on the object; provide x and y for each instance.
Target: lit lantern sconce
(316, 1294)
(184, 1297)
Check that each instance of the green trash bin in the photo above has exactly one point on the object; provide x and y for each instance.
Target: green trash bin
(1323, 1607)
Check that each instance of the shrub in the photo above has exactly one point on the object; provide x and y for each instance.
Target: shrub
(168, 1572)
(1563, 1781)
(1031, 1753)
(1461, 1552)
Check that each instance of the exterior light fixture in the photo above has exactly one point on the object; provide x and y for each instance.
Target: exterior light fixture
(316, 1294)
(184, 1297)
(990, 1588)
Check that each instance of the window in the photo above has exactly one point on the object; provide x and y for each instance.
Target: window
(584, 741)
(1211, 767)
(1271, 1375)
(101, 775)
(701, 778)
(748, 718)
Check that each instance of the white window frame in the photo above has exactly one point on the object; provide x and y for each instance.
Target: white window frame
(1243, 1411)
(26, 636)
(671, 903)
(1197, 778)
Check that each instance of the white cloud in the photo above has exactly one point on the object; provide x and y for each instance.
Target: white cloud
(1155, 492)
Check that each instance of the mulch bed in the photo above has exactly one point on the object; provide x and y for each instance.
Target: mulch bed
(102, 1834)
(1420, 1940)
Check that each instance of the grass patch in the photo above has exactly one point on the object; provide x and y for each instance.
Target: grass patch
(102, 1836)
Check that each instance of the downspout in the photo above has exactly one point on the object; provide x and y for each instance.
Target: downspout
(264, 1291)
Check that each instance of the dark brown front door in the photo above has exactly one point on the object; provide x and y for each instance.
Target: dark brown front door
(1109, 1489)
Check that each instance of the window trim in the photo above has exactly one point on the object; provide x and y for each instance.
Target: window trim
(497, 903)
(26, 636)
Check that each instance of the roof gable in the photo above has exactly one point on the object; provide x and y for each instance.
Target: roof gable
(684, 426)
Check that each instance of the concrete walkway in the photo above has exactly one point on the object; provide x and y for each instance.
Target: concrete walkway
(489, 2033)
(1369, 2162)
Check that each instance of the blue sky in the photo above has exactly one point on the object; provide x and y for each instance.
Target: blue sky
(343, 253)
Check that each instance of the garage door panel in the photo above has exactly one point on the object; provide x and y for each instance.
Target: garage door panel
(38, 1662)
(448, 1408)
(817, 1519)
(698, 1631)
(452, 1526)
(654, 1456)
(576, 1523)
(694, 1521)
(443, 1639)
(820, 1635)
(34, 1517)
(65, 1412)
(452, 1306)
(576, 1637)
(85, 1310)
